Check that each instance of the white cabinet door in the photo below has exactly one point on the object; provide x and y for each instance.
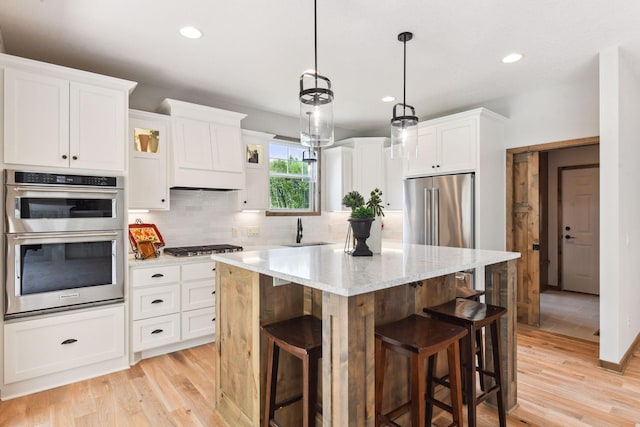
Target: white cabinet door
(226, 146)
(36, 119)
(198, 294)
(155, 332)
(199, 270)
(148, 161)
(392, 194)
(338, 172)
(368, 165)
(155, 275)
(255, 195)
(427, 159)
(193, 144)
(457, 142)
(197, 323)
(155, 301)
(97, 134)
(33, 348)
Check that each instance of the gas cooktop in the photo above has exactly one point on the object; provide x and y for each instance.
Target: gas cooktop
(184, 251)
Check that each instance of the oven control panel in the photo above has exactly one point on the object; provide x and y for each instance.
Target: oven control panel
(20, 177)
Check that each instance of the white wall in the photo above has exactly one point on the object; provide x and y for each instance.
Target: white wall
(552, 114)
(557, 159)
(619, 204)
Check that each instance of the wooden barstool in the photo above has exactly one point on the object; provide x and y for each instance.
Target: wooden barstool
(473, 316)
(302, 338)
(419, 338)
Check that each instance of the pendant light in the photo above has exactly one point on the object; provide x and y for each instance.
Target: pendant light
(310, 158)
(316, 97)
(404, 128)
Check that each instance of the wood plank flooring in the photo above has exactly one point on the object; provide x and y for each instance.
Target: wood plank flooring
(559, 384)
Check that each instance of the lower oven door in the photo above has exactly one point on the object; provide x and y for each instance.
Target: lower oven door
(56, 271)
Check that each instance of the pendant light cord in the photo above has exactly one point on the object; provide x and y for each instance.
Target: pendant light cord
(315, 39)
(404, 79)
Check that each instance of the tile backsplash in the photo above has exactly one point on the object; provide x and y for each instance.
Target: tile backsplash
(209, 217)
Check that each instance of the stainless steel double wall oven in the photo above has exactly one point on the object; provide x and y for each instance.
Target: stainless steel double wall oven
(65, 241)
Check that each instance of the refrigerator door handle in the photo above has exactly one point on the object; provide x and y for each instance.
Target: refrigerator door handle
(436, 216)
(428, 232)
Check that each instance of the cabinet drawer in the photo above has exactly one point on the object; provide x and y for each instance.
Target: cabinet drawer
(155, 275)
(201, 270)
(156, 301)
(198, 294)
(155, 332)
(197, 323)
(43, 346)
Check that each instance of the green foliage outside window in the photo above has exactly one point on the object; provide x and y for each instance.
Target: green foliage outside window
(288, 188)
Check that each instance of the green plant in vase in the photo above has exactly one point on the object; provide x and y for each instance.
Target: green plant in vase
(360, 220)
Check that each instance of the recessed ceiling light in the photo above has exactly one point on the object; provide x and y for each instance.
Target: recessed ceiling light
(511, 58)
(388, 99)
(191, 32)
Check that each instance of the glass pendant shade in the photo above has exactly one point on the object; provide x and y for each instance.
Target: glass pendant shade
(316, 111)
(310, 158)
(404, 134)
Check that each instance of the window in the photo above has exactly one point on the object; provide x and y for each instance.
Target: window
(290, 190)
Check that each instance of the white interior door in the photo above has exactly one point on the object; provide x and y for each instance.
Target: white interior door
(580, 230)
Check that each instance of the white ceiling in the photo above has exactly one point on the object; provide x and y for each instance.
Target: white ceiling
(253, 51)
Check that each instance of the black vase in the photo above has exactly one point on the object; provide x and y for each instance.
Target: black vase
(361, 229)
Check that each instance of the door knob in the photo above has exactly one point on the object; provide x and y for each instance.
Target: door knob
(567, 228)
(568, 237)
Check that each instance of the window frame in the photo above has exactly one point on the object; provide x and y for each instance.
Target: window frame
(315, 190)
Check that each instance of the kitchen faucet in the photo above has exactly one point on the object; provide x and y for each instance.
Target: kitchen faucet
(299, 231)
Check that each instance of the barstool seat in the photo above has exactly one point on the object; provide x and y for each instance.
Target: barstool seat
(302, 338)
(474, 316)
(419, 338)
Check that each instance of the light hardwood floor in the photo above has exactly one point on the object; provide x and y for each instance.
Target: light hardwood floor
(559, 384)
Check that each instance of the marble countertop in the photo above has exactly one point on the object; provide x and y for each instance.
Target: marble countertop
(328, 268)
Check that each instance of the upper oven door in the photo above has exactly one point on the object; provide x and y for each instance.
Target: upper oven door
(39, 209)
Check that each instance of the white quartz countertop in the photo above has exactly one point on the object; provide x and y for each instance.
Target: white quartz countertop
(328, 268)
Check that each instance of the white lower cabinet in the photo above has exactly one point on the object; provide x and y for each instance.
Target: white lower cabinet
(196, 323)
(43, 346)
(155, 332)
(172, 305)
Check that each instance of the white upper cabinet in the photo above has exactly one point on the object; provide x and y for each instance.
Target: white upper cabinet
(446, 145)
(392, 195)
(255, 195)
(148, 144)
(357, 164)
(207, 146)
(36, 119)
(97, 127)
(64, 118)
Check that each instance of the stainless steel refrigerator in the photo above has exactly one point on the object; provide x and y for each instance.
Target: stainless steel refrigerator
(439, 210)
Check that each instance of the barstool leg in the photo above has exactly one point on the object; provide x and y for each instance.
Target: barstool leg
(417, 390)
(453, 355)
(272, 379)
(497, 367)
(380, 362)
(480, 353)
(431, 367)
(310, 391)
(470, 382)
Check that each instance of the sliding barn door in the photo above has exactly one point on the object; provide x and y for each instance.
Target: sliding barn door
(523, 233)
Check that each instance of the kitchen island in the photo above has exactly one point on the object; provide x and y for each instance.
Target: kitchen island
(351, 295)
